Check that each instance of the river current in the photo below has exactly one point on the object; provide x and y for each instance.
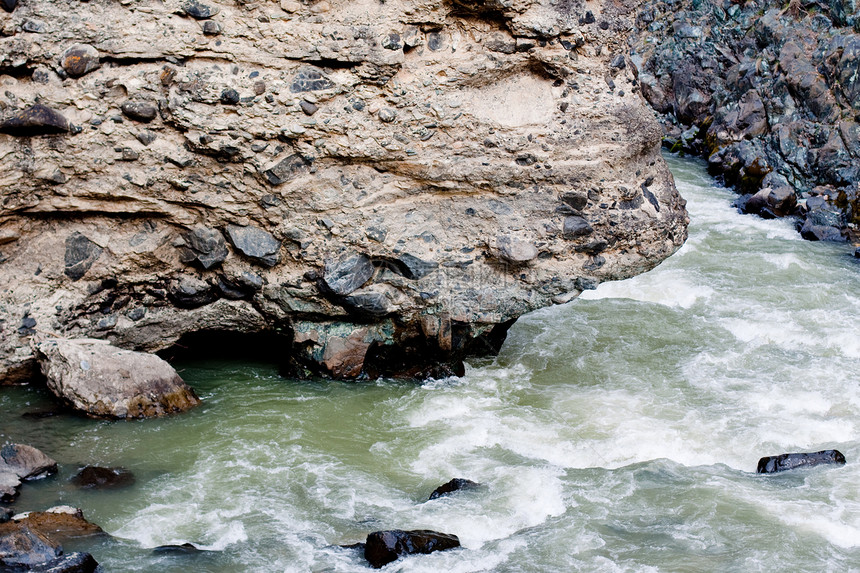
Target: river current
(619, 432)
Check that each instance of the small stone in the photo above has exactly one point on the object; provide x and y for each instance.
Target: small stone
(129, 154)
(199, 11)
(414, 268)
(35, 120)
(392, 42)
(80, 60)
(587, 18)
(308, 108)
(256, 244)
(136, 313)
(34, 26)
(191, 292)
(205, 246)
(310, 79)
(211, 28)
(435, 41)
(230, 97)
(8, 5)
(387, 115)
(576, 227)
(140, 110)
(80, 255)
(146, 137)
(515, 251)
(287, 169)
(107, 322)
(28, 325)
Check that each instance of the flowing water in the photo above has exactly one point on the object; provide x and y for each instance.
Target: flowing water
(619, 432)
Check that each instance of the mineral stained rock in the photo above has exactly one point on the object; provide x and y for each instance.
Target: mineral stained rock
(398, 180)
(104, 381)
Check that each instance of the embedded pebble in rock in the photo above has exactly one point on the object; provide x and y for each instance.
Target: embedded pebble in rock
(256, 244)
(576, 227)
(383, 137)
(80, 60)
(140, 111)
(35, 120)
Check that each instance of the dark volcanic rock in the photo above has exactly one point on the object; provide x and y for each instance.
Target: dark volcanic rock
(455, 484)
(8, 5)
(415, 268)
(35, 120)
(774, 464)
(69, 563)
(576, 226)
(142, 111)
(80, 60)
(191, 292)
(21, 548)
(205, 246)
(310, 79)
(347, 274)
(80, 255)
(255, 243)
(199, 11)
(769, 203)
(383, 547)
(287, 169)
(95, 477)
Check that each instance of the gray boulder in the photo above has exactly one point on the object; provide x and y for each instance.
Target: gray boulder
(102, 380)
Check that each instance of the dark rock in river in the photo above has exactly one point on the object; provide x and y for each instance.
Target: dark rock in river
(774, 464)
(35, 120)
(185, 548)
(21, 549)
(770, 203)
(5, 514)
(455, 484)
(70, 563)
(95, 477)
(383, 547)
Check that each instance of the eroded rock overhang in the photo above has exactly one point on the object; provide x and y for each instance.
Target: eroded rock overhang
(383, 183)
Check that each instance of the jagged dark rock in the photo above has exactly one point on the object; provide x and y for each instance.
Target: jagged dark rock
(455, 484)
(383, 547)
(256, 244)
(783, 462)
(35, 120)
(95, 477)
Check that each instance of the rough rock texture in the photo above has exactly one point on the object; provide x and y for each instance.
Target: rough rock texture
(32, 542)
(58, 524)
(473, 160)
(769, 93)
(95, 477)
(104, 381)
(455, 484)
(19, 462)
(383, 547)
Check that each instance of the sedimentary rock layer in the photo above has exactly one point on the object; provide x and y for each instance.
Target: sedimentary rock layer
(384, 183)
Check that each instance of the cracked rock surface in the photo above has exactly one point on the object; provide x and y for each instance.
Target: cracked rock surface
(384, 184)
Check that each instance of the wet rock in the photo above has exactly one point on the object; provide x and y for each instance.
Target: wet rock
(347, 274)
(9, 483)
(287, 169)
(71, 563)
(576, 226)
(373, 304)
(21, 549)
(383, 547)
(204, 246)
(102, 380)
(774, 464)
(80, 255)
(80, 60)
(142, 111)
(199, 11)
(455, 484)
(184, 549)
(515, 251)
(35, 120)
(8, 5)
(256, 244)
(812, 232)
(190, 292)
(770, 203)
(58, 524)
(5, 514)
(95, 477)
(26, 462)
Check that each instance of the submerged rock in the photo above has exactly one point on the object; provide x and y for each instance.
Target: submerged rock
(185, 548)
(455, 484)
(95, 477)
(102, 380)
(774, 464)
(383, 547)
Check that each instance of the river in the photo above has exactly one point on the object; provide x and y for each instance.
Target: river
(619, 432)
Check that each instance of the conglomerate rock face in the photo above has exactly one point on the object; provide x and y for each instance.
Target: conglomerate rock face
(382, 182)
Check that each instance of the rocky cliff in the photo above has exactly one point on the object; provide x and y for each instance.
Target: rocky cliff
(384, 183)
(769, 92)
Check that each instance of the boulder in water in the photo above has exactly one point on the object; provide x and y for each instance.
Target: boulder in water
(26, 461)
(58, 524)
(102, 380)
(455, 484)
(774, 464)
(383, 547)
(95, 477)
(177, 549)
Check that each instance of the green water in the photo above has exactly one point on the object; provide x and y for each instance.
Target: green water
(619, 432)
